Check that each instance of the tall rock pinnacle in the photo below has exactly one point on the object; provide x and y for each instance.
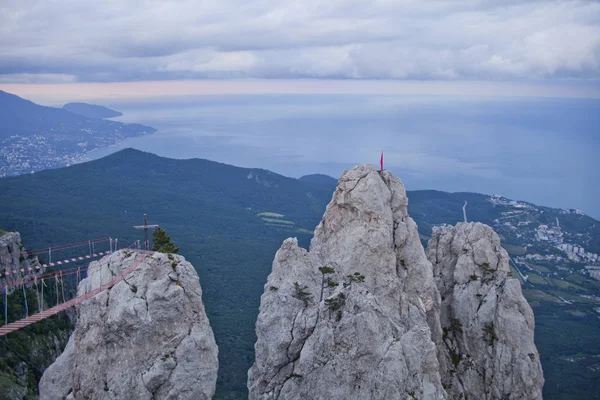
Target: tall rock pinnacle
(360, 315)
(487, 350)
(147, 337)
(349, 318)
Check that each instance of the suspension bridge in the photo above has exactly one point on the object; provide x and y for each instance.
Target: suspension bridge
(37, 279)
(43, 314)
(14, 277)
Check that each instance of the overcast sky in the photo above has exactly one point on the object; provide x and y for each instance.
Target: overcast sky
(120, 41)
(459, 53)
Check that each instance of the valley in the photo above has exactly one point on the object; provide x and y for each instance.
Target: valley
(230, 221)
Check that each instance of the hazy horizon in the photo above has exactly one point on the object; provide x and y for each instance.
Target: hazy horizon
(505, 103)
(537, 150)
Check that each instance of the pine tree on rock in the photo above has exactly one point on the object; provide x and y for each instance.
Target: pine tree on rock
(162, 242)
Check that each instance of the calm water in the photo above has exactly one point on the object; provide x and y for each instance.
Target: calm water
(541, 150)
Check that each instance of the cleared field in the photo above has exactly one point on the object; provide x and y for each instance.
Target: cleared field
(540, 268)
(572, 297)
(277, 221)
(577, 279)
(537, 295)
(582, 280)
(270, 215)
(577, 313)
(537, 280)
(565, 285)
(280, 226)
(514, 250)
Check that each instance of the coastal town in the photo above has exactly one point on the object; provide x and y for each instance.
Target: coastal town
(27, 154)
(546, 251)
(24, 154)
(55, 138)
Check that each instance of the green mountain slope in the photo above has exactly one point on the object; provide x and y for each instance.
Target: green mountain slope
(227, 220)
(230, 221)
(91, 110)
(320, 180)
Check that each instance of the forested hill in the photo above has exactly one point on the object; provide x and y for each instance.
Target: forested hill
(22, 117)
(320, 180)
(110, 194)
(230, 221)
(91, 110)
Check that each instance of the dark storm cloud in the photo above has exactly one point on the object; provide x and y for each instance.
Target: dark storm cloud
(385, 39)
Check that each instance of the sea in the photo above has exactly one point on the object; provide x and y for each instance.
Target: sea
(542, 150)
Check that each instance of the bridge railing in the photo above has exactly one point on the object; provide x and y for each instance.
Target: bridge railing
(48, 288)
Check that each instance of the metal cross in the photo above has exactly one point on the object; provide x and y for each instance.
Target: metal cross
(145, 228)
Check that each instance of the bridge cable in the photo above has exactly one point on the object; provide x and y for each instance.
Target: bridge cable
(37, 293)
(5, 306)
(26, 309)
(43, 300)
(62, 286)
(56, 287)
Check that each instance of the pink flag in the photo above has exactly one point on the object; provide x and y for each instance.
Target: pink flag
(381, 160)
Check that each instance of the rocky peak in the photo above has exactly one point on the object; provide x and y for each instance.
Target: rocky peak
(147, 337)
(488, 350)
(13, 257)
(360, 315)
(348, 319)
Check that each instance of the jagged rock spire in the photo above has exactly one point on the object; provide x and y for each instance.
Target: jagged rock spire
(348, 319)
(359, 316)
(147, 337)
(487, 350)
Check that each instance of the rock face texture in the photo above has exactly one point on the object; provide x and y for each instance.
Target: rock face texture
(147, 337)
(13, 257)
(349, 319)
(365, 315)
(487, 323)
(10, 252)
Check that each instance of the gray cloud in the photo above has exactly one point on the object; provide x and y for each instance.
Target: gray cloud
(383, 39)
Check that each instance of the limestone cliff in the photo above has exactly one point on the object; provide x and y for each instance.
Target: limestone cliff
(14, 258)
(348, 319)
(147, 337)
(10, 252)
(359, 315)
(487, 323)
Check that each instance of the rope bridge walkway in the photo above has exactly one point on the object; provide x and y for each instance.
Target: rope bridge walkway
(43, 314)
(91, 244)
(27, 277)
(58, 263)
